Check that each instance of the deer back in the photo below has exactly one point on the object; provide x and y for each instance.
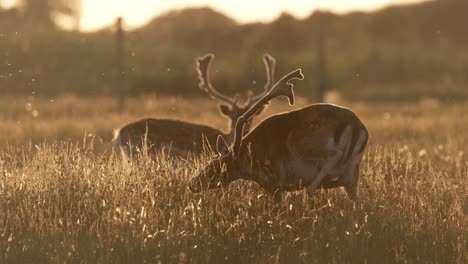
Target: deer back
(172, 135)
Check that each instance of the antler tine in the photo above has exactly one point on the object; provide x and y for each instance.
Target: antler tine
(203, 66)
(270, 63)
(250, 97)
(281, 88)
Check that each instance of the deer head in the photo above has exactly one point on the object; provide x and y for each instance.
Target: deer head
(229, 106)
(230, 162)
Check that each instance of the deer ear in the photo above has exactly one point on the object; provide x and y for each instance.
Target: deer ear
(221, 145)
(225, 110)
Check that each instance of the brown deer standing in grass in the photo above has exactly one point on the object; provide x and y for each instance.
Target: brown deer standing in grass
(179, 137)
(320, 145)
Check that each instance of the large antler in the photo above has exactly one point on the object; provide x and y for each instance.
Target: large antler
(270, 63)
(203, 66)
(281, 88)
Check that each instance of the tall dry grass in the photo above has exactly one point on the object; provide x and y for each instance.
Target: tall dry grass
(65, 198)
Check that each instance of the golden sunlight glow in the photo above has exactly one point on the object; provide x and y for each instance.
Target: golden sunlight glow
(97, 14)
(8, 3)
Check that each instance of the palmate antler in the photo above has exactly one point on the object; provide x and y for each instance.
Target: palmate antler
(270, 64)
(203, 66)
(281, 88)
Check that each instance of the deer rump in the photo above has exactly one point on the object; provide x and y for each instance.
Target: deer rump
(290, 149)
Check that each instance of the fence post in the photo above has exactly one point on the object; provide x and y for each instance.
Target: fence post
(321, 60)
(120, 83)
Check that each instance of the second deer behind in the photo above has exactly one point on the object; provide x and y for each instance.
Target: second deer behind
(179, 138)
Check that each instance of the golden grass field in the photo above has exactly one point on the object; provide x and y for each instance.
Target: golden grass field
(65, 198)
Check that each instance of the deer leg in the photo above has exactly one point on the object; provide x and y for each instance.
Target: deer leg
(339, 149)
(329, 165)
(353, 178)
(277, 196)
(352, 187)
(351, 190)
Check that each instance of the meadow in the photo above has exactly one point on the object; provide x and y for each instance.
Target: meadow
(64, 197)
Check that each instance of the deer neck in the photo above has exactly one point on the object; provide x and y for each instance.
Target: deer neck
(231, 129)
(260, 167)
(232, 124)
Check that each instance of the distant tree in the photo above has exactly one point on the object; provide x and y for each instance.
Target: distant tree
(36, 14)
(70, 10)
(286, 33)
(46, 14)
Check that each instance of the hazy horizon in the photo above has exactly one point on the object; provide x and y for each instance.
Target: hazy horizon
(138, 12)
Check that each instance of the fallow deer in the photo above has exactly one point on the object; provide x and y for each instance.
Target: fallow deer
(179, 137)
(320, 145)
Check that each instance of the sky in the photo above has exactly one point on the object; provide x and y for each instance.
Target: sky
(100, 13)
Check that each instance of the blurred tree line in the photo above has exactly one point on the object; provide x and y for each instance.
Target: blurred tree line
(400, 52)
